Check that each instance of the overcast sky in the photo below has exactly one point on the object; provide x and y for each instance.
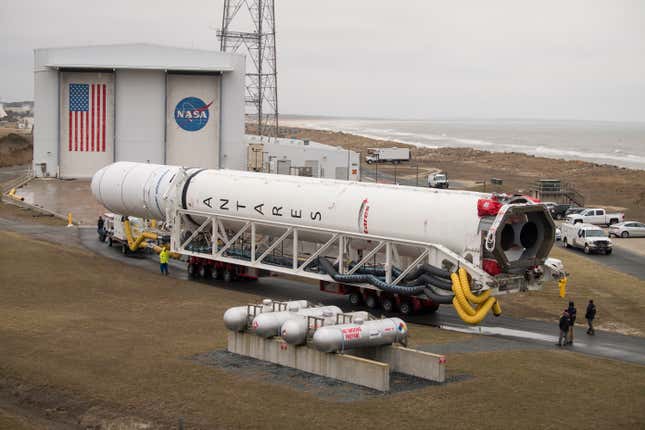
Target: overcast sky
(383, 58)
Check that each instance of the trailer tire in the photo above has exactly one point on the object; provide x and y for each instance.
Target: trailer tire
(228, 276)
(355, 299)
(192, 270)
(205, 272)
(387, 304)
(371, 301)
(405, 308)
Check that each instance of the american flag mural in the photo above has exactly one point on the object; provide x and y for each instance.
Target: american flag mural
(87, 117)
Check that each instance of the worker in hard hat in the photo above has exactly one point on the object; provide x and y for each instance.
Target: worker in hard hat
(163, 261)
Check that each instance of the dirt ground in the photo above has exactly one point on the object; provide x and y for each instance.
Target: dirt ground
(88, 343)
(602, 185)
(15, 147)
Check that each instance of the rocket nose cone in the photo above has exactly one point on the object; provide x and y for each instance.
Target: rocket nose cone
(95, 185)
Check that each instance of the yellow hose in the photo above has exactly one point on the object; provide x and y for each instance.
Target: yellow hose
(465, 286)
(134, 244)
(463, 297)
(460, 298)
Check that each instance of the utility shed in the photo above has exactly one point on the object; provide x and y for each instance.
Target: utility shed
(301, 158)
(147, 103)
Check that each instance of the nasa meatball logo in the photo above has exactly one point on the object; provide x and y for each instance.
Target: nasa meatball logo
(192, 114)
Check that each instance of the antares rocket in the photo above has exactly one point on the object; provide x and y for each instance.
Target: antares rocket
(503, 236)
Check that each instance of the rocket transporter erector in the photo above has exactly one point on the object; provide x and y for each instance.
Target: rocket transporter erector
(506, 242)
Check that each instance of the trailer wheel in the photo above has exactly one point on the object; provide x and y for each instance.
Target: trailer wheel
(371, 301)
(205, 271)
(355, 299)
(228, 276)
(405, 308)
(192, 270)
(387, 304)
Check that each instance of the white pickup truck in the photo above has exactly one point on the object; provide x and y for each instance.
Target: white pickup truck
(597, 216)
(587, 237)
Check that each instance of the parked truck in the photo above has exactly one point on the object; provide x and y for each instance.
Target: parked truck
(438, 180)
(387, 155)
(588, 237)
(597, 216)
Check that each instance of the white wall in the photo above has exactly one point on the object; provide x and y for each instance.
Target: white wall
(46, 117)
(140, 115)
(331, 162)
(199, 147)
(233, 147)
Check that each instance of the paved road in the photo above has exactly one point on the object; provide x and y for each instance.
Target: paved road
(524, 333)
(620, 259)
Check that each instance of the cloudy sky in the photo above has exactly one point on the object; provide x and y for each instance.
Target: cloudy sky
(582, 59)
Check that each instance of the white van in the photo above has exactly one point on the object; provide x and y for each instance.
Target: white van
(587, 237)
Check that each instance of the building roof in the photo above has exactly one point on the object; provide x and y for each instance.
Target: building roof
(135, 56)
(252, 138)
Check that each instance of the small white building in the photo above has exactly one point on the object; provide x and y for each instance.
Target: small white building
(98, 104)
(302, 157)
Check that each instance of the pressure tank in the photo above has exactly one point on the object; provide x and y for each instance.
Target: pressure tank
(294, 331)
(235, 319)
(523, 233)
(360, 334)
(268, 324)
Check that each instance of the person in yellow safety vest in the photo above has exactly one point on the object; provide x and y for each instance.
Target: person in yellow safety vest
(163, 261)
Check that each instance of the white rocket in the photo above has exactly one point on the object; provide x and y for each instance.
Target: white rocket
(516, 238)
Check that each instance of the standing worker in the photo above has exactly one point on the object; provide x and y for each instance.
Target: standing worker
(564, 327)
(163, 261)
(571, 310)
(590, 315)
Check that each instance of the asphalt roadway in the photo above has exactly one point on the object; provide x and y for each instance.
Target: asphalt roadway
(620, 259)
(499, 332)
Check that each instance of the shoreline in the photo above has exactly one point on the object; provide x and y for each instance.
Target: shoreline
(626, 160)
(603, 185)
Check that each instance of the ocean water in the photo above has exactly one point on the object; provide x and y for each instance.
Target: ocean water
(615, 143)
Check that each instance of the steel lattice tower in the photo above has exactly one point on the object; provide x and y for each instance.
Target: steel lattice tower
(259, 47)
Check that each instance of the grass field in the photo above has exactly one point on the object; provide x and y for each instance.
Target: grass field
(619, 297)
(85, 340)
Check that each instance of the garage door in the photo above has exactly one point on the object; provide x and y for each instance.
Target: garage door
(86, 140)
(192, 122)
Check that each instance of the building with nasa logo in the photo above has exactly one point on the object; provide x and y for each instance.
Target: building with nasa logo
(147, 103)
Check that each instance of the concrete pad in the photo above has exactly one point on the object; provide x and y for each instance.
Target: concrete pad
(63, 196)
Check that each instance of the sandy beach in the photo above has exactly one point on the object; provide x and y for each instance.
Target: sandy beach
(615, 188)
